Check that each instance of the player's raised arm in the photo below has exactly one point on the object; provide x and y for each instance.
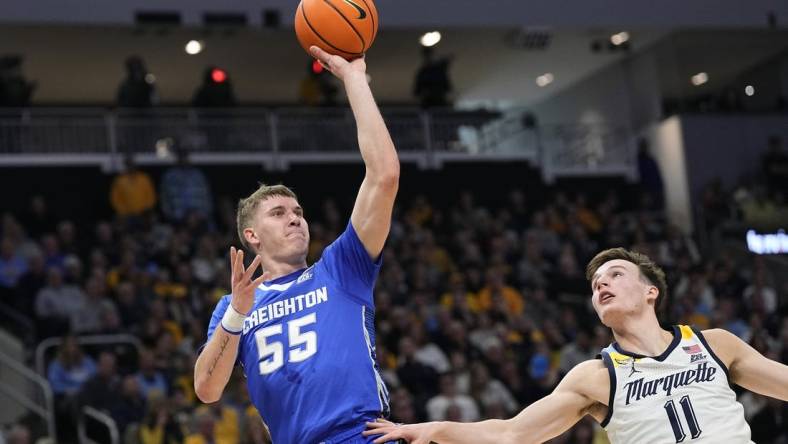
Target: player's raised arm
(371, 216)
(215, 363)
(747, 367)
(584, 390)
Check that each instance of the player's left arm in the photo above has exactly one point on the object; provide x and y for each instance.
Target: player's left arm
(371, 216)
(747, 367)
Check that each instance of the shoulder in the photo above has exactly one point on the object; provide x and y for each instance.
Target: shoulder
(724, 344)
(589, 378)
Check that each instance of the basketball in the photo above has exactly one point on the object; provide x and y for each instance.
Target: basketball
(345, 28)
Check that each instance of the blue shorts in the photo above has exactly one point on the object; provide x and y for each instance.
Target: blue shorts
(353, 436)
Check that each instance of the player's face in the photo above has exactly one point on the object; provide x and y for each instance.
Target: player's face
(282, 230)
(618, 291)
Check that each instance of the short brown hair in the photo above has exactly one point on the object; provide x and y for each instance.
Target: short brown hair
(649, 270)
(248, 206)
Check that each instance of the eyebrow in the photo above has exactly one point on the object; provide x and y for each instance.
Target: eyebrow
(597, 274)
(282, 207)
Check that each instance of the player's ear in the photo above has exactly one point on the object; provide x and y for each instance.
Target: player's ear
(652, 293)
(251, 238)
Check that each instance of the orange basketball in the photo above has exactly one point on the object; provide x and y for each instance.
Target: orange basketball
(343, 27)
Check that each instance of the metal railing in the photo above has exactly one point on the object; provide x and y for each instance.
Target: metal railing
(17, 323)
(103, 419)
(278, 137)
(43, 405)
(46, 344)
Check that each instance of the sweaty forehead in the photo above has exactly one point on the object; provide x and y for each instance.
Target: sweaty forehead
(621, 263)
(278, 201)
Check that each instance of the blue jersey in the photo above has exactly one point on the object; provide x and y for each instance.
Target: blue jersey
(308, 348)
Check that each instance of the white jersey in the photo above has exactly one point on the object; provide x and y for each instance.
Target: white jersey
(682, 395)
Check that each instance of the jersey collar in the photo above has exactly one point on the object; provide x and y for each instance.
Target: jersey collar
(661, 357)
(282, 283)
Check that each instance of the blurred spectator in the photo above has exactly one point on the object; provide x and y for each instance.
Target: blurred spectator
(129, 408)
(216, 90)
(103, 389)
(420, 378)
(185, 191)
(18, 434)
(498, 297)
(38, 219)
(30, 283)
(759, 296)
(491, 393)
(317, 88)
(227, 427)
(137, 90)
(438, 407)
(15, 90)
(769, 424)
(66, 374)
(775, 165)
(158, 426)
(577, 351)
(204, 425)
(89, 317)
(432, 84)
(70, 369)
(56, 304)
(132, 193)
(150, 380)
(12, 264)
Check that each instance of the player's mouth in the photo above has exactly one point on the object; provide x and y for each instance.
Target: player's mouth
(605, 297)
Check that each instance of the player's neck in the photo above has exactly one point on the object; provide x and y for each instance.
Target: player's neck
(644, 337)
(276, 270)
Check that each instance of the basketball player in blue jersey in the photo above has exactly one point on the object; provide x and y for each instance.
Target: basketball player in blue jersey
(305, 334)
(650, 386)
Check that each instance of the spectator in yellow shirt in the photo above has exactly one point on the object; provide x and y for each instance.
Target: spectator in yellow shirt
(132, 192)
(496, 291)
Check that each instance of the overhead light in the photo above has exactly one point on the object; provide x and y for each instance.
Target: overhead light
(194, 47)
(749, 90)
(430, 38)
(545, 79)
(620, 38)
(700, 78)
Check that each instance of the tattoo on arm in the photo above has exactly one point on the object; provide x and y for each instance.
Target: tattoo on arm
(223, 346)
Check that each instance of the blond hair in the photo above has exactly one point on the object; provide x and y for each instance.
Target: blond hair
(248, 206)
(649, 270)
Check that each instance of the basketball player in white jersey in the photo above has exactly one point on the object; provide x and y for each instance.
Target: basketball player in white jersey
(650, 386)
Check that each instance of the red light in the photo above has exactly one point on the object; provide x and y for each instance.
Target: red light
(317, 68)
(218, 75)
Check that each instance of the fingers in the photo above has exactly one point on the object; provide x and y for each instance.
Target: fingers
(252, 267)
(238, 265)
(260, 279)
(319, 54)
(375, 426)
(393, 436)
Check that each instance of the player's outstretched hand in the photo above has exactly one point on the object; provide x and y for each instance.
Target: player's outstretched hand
(338, 65)
(412, 433)
(242, 283)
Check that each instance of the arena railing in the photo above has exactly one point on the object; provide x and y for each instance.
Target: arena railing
(279, 137)
(103, 419)
(42, 406)
(17, 324)
(49, 343)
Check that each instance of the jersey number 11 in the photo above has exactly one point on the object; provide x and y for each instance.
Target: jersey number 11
(689, 414)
